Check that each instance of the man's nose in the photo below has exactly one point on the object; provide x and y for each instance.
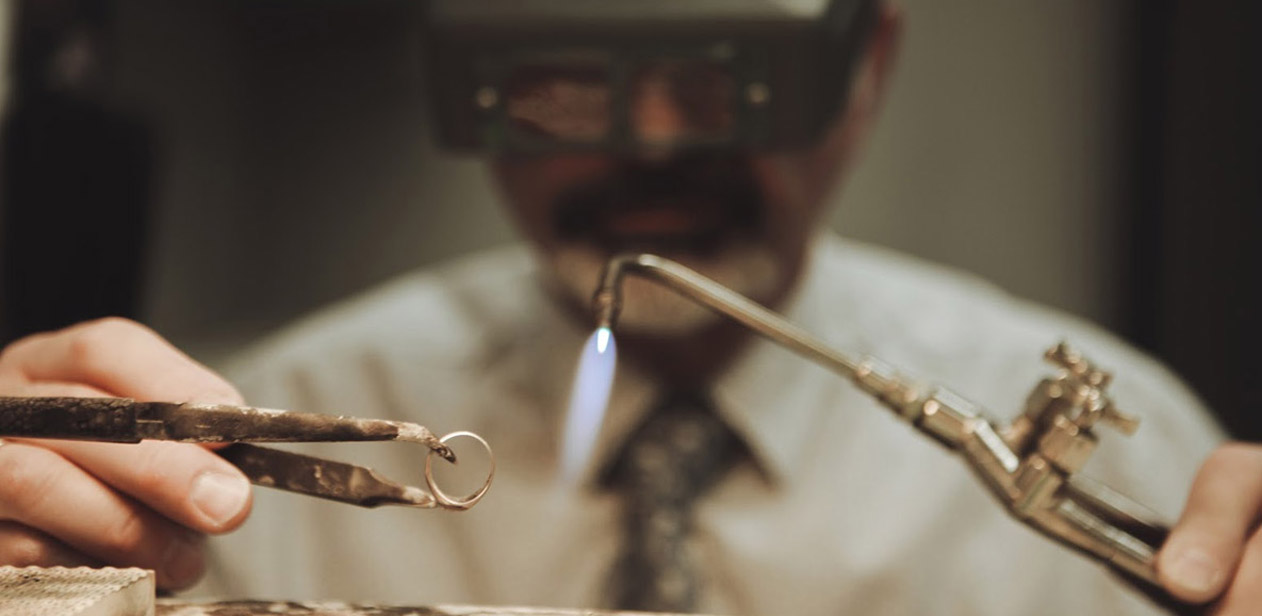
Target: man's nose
(655, 115)
(680, 105)
(656, 122)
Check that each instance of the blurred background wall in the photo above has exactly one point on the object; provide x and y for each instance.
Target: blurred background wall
(1061, 150)
(6, 16)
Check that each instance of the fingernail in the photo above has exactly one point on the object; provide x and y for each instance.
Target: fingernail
(183, 562)
(219, 496)
(1194, 570)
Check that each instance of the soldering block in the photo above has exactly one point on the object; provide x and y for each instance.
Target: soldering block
(76, 591)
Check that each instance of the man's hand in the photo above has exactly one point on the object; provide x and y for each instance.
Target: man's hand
(1216, 547)
(79, 503)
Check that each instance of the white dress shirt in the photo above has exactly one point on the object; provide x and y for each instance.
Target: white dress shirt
(842, 510)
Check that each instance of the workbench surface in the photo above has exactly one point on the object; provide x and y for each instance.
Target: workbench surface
(168, 607)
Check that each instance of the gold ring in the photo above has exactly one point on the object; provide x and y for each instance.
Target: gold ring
(446, 501)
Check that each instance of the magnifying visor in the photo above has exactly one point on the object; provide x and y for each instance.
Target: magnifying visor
(544, 76)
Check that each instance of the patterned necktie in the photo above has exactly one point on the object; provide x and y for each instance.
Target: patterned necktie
(681, 451)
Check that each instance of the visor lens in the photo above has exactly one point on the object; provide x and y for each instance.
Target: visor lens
(560, 103)
(670, 101)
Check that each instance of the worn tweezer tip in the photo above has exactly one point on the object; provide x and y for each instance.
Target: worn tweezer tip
(446, 452)
(420, 434)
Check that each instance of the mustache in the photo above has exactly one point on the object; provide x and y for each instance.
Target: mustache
(725, 183)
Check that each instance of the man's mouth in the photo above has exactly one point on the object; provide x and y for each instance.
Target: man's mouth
(653, 221)
(662, 218)
(659, 225)
(692, 205)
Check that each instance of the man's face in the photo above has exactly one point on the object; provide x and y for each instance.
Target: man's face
(742, 218)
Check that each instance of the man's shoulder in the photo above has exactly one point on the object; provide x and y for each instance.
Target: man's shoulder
(904, 304)
(446, 314)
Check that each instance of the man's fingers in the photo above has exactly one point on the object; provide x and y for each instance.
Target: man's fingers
(120, 357)
(1244, 596)
(182, 481)
(62, 501)
(185, 482)
(42, 490)
(23, 546)
(1200, 557)
(52, 389)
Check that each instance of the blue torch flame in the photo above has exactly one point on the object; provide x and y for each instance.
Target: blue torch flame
(589, 397)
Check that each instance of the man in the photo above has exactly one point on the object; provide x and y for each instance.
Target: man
(818, 503)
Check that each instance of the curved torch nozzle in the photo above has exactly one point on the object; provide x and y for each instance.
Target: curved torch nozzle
(607, 302)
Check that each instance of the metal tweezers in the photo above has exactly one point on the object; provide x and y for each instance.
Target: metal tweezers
(123, 420)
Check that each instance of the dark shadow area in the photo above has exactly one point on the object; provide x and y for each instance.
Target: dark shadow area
(76, 175)
(1195, 297)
